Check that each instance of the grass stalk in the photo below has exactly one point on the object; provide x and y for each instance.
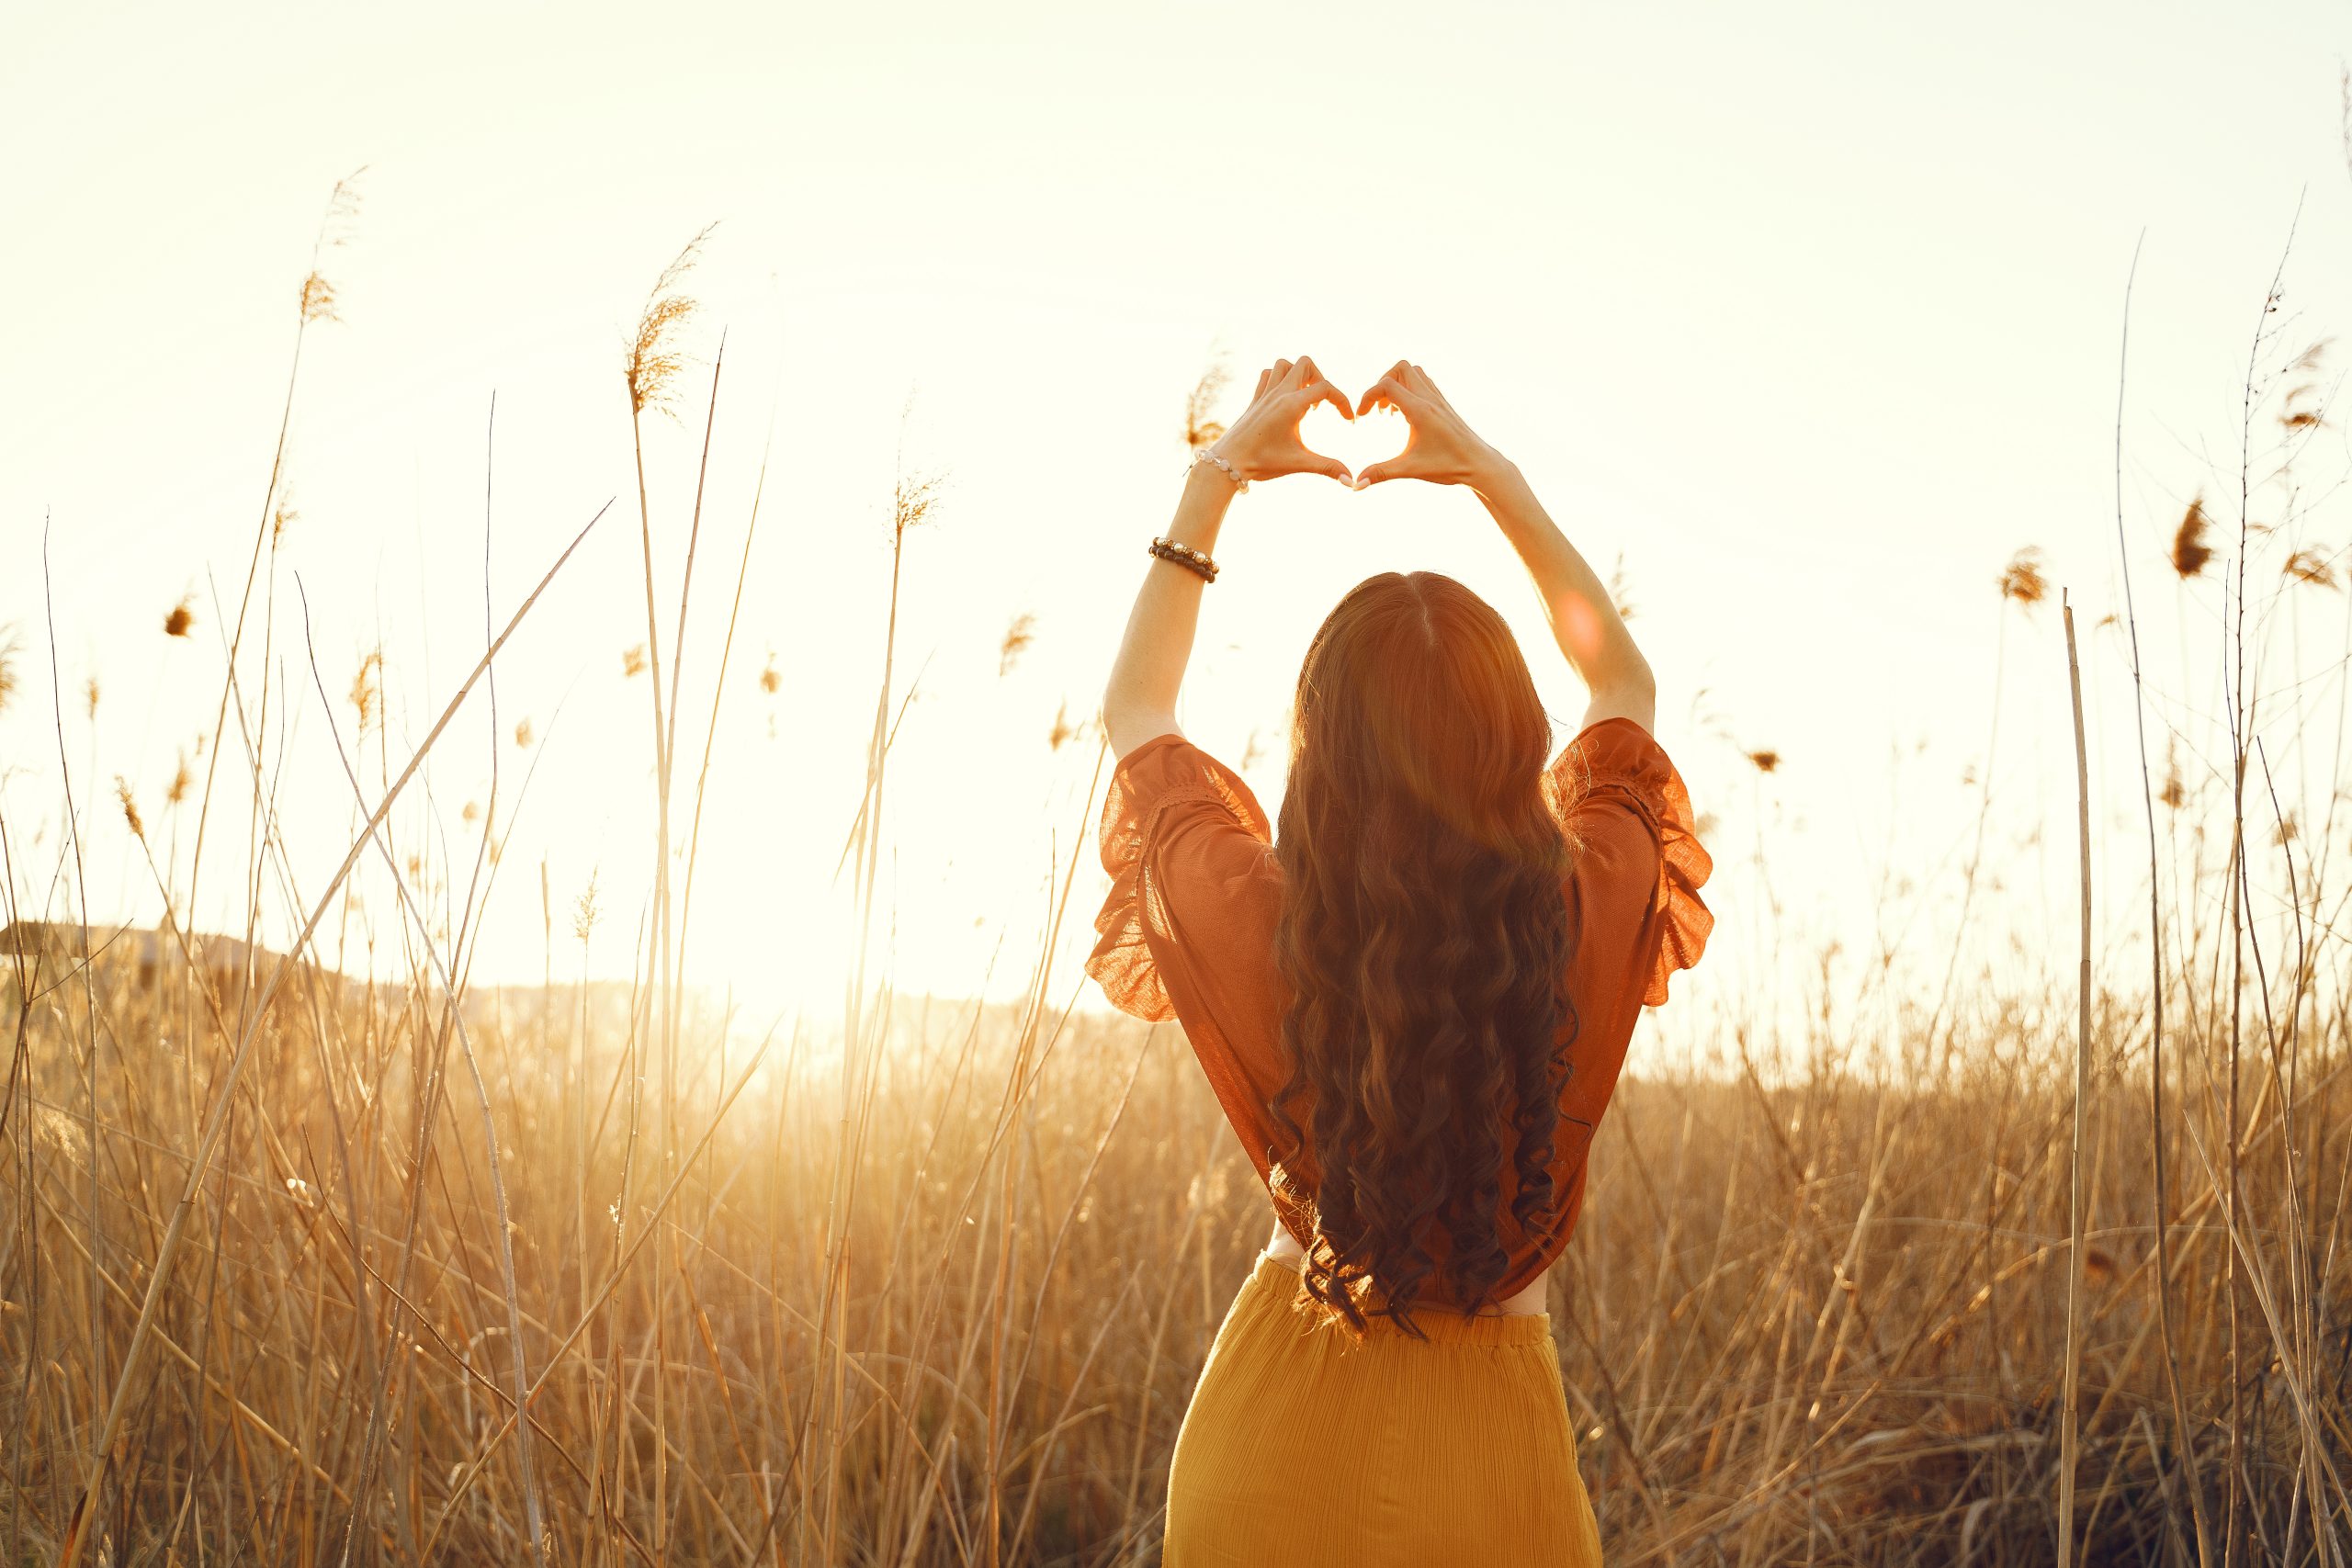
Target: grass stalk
(2070, 1434)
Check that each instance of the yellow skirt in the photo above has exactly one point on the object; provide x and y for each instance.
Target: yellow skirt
(1303, 1447)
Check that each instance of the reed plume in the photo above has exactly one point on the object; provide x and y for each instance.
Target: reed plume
(1016, 641)
(2022, 580)
(654, 358)
(1201, 428)
(2189, 550)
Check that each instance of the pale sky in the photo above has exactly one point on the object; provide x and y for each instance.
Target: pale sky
(1810, 318)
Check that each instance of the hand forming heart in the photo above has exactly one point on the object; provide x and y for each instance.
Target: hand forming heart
(1264, 443)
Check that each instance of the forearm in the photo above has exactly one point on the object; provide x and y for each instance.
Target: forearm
(1139, 701)
(1584, 621)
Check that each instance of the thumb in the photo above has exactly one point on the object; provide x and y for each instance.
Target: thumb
(1373, 475)
(1332, 467)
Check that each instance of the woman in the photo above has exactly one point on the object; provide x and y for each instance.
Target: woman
(1412, 1003)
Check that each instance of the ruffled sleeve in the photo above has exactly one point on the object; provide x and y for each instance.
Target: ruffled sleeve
(1169, 827)
(1187, 931)
(1629, 820)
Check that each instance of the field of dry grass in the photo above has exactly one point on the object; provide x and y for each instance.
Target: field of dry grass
(282, 1255)
(1819, 1321)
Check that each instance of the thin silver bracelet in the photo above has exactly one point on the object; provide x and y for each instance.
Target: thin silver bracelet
(1202, 455)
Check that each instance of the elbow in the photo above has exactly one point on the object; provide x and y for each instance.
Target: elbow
(1641, 682)
(1629, 693)
(1127, 725)
(1629, 680)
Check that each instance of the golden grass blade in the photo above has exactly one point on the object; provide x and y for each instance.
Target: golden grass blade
(217, 1118)
(2070, 1435)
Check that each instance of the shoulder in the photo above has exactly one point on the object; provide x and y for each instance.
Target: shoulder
(1614, 754)
(1169, 771)
(1194, 822)
(1636, 863)
(1195, 890)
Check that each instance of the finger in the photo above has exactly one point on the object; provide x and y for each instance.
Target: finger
(1387, 392)
(1422, 385)
(1265, 379)
(1321, 392)
(1404, 465)
(1401, 467)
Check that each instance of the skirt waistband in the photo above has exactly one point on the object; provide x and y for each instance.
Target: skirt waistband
(1439, 1324)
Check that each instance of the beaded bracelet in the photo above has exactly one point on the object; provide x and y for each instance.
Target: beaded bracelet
(1197, 562)
(1204, 454)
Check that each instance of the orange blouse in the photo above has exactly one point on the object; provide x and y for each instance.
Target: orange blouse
(1188, 931)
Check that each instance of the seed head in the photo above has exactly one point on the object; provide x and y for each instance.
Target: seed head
(633, 661)
(1621, 594)
(1766, 760)
(318, 300)
(334, 230)
(2293, 414)
(912, 500)
(584, 912)
(1063, 730)
(654, 358)
(129, 807)
(2310, 566)
(1200, 430)
(523, 732)
(2022, 580)
(182, 617)
(2189, 550)
(1017, 638)
(366, 687)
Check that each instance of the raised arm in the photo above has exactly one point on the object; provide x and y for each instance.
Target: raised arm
(1443, 449)
(1139, 702)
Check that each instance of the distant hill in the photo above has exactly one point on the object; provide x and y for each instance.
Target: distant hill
(58, 942)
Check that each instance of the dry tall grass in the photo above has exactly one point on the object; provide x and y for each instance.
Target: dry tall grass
(283, 1253)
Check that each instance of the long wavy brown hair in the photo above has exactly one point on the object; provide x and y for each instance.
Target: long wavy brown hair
(1423, 940)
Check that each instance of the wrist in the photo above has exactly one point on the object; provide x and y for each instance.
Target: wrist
(1200, 512)
(1495, 478)
(1227, 464)
(1215, 475)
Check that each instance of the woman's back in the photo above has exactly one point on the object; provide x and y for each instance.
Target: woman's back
(1188, 934)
